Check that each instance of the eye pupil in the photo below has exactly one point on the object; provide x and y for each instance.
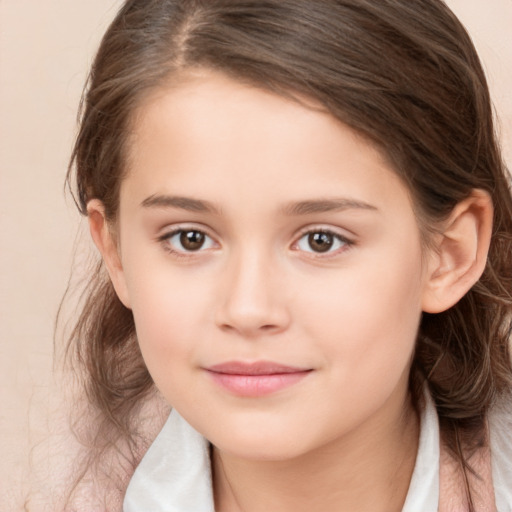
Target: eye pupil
(192, 240)
(320, 242)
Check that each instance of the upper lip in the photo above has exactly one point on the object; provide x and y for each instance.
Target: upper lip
(254, 368)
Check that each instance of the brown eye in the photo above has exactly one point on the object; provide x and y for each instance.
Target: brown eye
(192, 240)
(187, 241)
(320, 242)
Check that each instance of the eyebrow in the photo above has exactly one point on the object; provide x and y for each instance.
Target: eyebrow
(292, 209)
(326, 205)
(183, 203)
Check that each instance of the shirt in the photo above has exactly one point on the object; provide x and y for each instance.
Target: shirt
(175, 473)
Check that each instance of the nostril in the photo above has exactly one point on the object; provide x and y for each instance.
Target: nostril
(251, 309)
(227, 327)
(266, 328)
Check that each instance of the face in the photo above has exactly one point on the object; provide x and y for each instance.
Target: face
(273, 264)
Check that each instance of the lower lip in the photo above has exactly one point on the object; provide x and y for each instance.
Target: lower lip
(257, 385)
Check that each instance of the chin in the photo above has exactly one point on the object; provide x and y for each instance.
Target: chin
(262, 449)
(262, 441)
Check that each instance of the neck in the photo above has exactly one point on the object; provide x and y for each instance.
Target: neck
(368, 469)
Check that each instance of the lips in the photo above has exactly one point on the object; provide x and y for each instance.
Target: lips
(255, 379)
(256, 368)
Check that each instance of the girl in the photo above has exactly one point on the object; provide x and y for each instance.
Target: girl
(305, 226)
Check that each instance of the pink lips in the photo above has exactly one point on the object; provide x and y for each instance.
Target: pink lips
(255, 379)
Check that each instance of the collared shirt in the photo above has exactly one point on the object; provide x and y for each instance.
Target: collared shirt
(175, 473)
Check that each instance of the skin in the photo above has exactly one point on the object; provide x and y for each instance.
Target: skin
(267, 172)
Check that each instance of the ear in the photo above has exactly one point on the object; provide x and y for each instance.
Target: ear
(461, 253)
(105, 240)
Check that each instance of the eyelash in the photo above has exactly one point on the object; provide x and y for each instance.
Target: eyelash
(345, 242)
(165, 240)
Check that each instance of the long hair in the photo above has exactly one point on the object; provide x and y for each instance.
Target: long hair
(404, 74)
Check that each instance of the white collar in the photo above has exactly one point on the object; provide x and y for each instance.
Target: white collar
(175, 473)
(423, 491)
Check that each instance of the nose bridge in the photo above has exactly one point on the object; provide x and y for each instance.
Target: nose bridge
(252, 300)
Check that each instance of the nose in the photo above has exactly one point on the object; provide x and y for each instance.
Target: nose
(253, 298)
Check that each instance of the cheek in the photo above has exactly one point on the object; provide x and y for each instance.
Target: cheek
(167, 327)
(369, 316)
(170, 311)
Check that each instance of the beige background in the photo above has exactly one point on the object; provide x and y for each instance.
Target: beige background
(46, 47)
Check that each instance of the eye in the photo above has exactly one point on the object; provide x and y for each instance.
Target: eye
(188, 240)
(322, 241)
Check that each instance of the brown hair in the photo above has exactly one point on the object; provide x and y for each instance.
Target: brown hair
(403, 73)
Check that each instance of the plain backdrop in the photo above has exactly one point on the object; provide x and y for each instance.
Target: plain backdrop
(46, 47)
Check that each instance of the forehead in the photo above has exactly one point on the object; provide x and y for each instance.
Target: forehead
(221, 137)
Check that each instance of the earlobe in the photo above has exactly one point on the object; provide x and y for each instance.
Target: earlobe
(104, 240)
(461, 253)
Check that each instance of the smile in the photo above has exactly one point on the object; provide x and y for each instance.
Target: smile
(255, 379)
